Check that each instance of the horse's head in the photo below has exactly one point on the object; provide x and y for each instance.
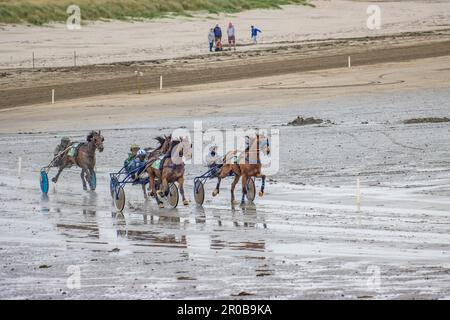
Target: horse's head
(185, 147)
(96, 138)
(166, 144)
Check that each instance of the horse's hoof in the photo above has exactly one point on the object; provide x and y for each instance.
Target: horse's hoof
(161, 206)
(151, 194)
(261, 194)
(54, 180)
(160, 193)
(185, 202)
(215, 193)
(85, 188)
(234, 202)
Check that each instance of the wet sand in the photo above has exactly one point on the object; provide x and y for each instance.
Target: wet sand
(304, 239)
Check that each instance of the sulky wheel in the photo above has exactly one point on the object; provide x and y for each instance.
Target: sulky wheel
(199, 192)
(43, 180)
(251, 189)
(173, 196)
(119, 200)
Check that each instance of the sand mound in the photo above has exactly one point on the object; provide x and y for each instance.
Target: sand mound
(300, 121)
(426, 120)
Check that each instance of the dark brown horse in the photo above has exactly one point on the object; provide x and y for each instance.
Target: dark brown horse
(172, 170)
(84, 158)
(245, 166)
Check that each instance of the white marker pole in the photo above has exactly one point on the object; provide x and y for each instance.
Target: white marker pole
(53, 96)
(349, 62)
(358, 195)
(19, 170)
(160, 82)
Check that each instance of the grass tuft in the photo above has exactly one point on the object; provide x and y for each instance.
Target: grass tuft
(39, 12)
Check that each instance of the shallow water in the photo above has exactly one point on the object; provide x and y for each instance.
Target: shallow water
(304, 239)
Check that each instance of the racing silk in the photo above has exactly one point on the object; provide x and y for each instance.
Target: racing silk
(255, 32)
(60, 148)
(74, 149)
(157, 163)
(135, 164)
(129, 159)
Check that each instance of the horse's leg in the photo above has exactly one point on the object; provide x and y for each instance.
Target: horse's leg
(263, 178)
(82, 175)
(153, 192)
(181, 184)
(224, 171)
(216, 191)
(233, 186)
(244, 188)
(90, 174)
(145, 193)
(60, 170)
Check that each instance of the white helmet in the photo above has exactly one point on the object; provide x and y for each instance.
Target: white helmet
(141, 153)
(213, 147)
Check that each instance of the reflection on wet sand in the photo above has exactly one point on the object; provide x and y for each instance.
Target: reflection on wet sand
(247, 218)
(152, 238)
(88, 228)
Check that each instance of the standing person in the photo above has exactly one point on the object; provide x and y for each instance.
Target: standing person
(211, 38)
(231, 36)
(218, 37)
(255, 34)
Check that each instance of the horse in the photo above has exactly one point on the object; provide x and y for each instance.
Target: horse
(246, 165)
(172, 170)
(163, 148)
(84, 158)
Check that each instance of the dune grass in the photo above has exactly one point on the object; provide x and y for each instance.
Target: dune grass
(39, 12)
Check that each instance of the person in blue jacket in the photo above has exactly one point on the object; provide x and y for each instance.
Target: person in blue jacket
(136, 163)
(255, 34)
(218, 37)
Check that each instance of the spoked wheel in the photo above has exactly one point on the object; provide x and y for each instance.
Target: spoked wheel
(173, 196)
(251, 189)
(199, 192)
(44, 182)
(119, 200)
(93, 181)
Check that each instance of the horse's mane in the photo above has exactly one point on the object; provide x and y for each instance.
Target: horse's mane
(91, 136)
(161, 141)
(173, 144)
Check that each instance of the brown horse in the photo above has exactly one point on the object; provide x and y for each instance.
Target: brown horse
(84, 158)
(163, 148)
(245, 166)
(172, 170)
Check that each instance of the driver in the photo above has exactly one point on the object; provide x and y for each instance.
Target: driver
(138, 162)
(134, 150)
(213, 159)
(63, 145)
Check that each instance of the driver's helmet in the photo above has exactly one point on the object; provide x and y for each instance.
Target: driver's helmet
(134, 146)
(65, 139)
(213, 147)
(141, 153)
